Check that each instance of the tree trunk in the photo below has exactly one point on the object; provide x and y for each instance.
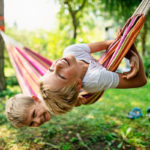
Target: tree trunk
(144, 39)
(74, 20)
(2, 78)
(73, 13)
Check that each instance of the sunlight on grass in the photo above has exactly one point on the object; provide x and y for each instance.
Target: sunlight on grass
(90, 116)
(136, 103)
(104, 121)
(4, 131)
(116, 120)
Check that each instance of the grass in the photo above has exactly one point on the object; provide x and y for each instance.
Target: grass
(100, 126)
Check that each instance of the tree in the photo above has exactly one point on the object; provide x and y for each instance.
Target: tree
(118, 11)
(2, 78)
(73, 12)
(75, 9)
(122, 10)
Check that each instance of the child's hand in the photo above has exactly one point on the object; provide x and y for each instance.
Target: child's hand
(81, 100)
(119, 34)
(134, 64)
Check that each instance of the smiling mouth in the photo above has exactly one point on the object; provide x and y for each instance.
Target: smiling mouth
(46, 118)
(66, 61)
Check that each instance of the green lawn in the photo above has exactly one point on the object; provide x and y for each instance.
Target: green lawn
(99, 126)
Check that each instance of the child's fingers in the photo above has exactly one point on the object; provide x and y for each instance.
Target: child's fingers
(120, 31)
(132, 73)
(125, 74)
(131, 64)
(119, 34)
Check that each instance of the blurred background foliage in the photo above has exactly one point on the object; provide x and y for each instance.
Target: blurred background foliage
(83, 21)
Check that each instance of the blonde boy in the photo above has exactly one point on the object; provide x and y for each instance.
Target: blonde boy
(78, 70)
(22, 110)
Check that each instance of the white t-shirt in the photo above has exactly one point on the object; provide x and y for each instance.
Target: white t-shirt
(97, 78)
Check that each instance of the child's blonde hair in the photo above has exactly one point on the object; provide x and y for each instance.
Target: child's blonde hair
(60, 101)
(16, 109)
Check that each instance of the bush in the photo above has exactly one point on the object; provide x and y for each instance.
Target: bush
(2, 119)
(11, 81)
(10, 90)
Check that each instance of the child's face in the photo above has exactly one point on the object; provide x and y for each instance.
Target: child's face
(36, 115)
(65, 71)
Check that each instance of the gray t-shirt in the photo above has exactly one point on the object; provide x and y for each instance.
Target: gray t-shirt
(97, 78)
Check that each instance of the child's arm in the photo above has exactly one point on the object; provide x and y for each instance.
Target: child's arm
(136, 77)
(134, 65)
(81, 100)
(103, 45)
(99, 46)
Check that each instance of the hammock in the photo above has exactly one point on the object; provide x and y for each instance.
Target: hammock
(30, 66)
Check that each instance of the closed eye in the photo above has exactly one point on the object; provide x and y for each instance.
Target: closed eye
(62, 77)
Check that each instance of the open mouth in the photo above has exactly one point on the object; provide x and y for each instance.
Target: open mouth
(66, 61)
(46, 117)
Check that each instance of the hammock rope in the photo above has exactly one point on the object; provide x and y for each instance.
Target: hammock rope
(142, 8)
(30, 66)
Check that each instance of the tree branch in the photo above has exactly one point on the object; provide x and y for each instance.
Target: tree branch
(82, 5)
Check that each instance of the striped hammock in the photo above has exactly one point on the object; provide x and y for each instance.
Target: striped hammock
(30, 66)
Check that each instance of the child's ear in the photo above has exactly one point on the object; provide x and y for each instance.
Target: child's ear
(79, 85)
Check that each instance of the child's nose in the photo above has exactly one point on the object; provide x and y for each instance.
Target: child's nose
(38, 121)
(58, 66)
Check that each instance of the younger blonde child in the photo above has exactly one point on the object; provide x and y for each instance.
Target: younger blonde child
(22, 110)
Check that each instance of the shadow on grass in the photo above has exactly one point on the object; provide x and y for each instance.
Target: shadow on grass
(71, 138)
(101, 126)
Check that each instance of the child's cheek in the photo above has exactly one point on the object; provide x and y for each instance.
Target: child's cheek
(70, 74)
